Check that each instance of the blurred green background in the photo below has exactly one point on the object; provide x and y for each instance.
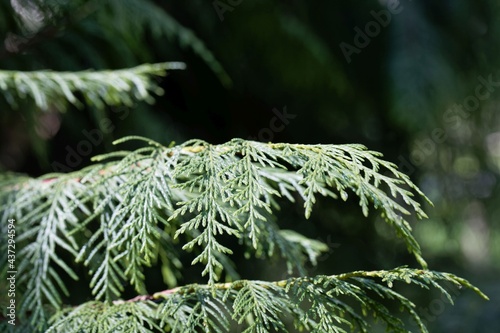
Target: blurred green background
(418, 81)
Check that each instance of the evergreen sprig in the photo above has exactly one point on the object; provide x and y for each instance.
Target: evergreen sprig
(97, 88)
(135, 209)
(337, 303)
(115, 216)
(145, 15)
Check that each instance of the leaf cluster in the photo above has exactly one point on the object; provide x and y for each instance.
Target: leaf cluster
(96, 88)
(338, 303)
(135, 209)
(125, 214)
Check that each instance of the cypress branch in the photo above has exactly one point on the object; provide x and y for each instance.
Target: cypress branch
(113, 217)
(98, 88)
(319, 304)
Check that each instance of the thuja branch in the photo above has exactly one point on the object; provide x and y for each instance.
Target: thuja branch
(404, 274)
(98, 88)
(322, 299)
(115, 216)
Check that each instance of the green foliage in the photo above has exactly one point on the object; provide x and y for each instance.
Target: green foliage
(158, 205)
(117, 217)
(338, 303)
(98, 88)
(144, 15)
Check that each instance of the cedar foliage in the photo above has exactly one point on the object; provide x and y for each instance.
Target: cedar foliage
(130, 209)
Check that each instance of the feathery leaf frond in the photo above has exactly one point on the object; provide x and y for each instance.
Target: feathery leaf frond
(196, 191)
(98, 88)
(337, 303)
(107, 318)
(145, 14)
(132, 210)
